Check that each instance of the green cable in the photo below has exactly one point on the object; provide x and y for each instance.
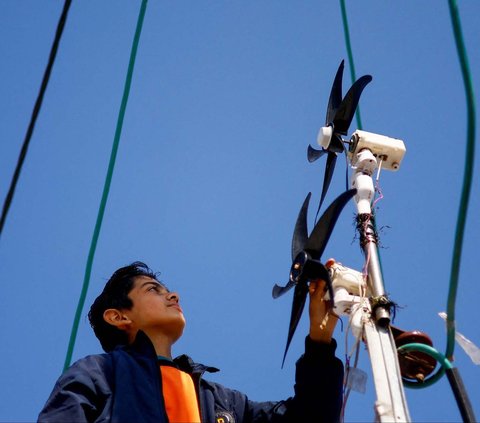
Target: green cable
(461, 396)
(467, 177)
(444, 360)
(106, 188)
(427, 349)
(346, 30)
(358, 116)
(467, 182)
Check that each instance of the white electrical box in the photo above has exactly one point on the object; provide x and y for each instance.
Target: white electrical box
(388, 151)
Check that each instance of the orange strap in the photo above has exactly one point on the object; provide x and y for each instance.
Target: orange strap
(179, 396)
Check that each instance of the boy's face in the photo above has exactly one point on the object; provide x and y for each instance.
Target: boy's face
(155, 310)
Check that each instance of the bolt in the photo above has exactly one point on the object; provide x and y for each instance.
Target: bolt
(420, 377)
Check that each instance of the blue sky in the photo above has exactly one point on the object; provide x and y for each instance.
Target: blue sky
(212, 171)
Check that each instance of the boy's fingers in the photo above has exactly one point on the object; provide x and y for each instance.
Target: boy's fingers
(315, 285)
(330, 262)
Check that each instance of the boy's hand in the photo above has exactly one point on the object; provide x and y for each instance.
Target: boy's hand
(322, 319)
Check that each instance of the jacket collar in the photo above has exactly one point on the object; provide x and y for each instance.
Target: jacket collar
(142, 345)
(185, 363)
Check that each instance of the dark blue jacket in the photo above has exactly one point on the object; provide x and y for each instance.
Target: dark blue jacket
(124, 386)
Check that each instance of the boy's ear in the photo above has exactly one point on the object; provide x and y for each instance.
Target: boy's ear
(116, 318)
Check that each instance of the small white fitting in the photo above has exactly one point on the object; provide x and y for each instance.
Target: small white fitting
(365, 191)
(366, 162)
(325, 136)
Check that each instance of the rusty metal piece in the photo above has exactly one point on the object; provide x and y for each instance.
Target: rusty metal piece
(414, 365)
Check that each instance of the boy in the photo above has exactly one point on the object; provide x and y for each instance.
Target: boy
(137, 320)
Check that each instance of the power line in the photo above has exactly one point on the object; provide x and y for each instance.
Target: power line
(468, 172)
(467, 177)
(36, 111)
(106, 187)
(346, 31)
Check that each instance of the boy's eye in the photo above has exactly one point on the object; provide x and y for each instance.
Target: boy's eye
(158, 288)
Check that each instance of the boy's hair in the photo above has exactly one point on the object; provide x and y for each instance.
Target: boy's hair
(115, 295)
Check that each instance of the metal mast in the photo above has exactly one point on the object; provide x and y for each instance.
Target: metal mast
(391, 404)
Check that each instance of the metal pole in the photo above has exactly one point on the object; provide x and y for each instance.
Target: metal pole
(368, 239)
(391, 404)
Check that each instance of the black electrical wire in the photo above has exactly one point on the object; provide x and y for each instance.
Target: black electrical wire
(36, 111)
(460, 393)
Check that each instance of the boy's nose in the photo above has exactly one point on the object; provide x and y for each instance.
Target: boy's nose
(173, 296)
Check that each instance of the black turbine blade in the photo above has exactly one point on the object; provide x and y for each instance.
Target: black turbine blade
(329, 168)
(278, 290)
(336, 144)
(299, 298)
(335, 96)
(300, 233)
(346, 111)
(346, 169)
(313, 154)
(323, 229)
